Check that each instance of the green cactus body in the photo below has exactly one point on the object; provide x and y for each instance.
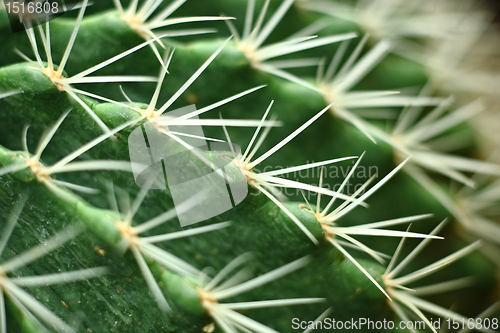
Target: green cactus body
(336, 168)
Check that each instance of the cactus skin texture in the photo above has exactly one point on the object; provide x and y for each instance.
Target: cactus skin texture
(84, 232)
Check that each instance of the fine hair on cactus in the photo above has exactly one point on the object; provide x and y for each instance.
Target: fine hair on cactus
(364, 196)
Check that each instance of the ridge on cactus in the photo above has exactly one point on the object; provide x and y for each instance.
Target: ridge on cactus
(212, 291)
(139, 20)
(470, 206)
(162, 122)
(336, 83)
(11, 286)
(409, 297)
(144, 246)
(250, 43)
(64, 84)
(328, 223)
(411, 137)
(268, 182)
(43, 173)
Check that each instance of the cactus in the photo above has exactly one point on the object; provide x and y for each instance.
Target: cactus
(91, 240)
